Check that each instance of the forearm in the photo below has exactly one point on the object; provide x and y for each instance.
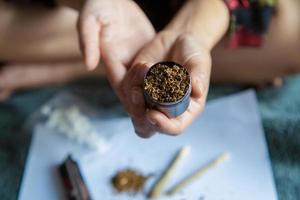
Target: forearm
(207, 19)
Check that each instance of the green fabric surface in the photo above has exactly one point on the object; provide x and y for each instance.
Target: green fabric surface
(279, 108)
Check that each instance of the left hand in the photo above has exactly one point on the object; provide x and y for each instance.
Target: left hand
(183, 48)
(113, 30)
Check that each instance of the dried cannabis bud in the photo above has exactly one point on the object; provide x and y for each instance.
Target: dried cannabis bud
(165, 83)
(129, 181)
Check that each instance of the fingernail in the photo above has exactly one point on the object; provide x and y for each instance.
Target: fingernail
(136, 97)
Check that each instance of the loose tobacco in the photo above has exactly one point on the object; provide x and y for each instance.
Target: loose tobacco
(167, 83)
(128, 181)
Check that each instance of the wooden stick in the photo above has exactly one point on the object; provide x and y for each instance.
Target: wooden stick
(220, 159)
(167, 174)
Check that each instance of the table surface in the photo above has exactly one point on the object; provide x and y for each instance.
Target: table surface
(279, 108)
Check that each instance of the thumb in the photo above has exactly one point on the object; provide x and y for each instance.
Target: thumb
(190, 53)
(89, 32)
(199, 67)
(133, 87)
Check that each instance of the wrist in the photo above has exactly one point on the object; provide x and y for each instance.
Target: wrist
(170, 36)
(206, 20)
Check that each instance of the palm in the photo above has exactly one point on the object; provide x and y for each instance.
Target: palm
(114, 30)
(130, 31)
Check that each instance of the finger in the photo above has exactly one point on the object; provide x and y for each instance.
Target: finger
(115, 70)
(134, 86)
(143, 129)
(89, 33)
(175, 126)
(188, 52)
(155, 51)
(137, 74)
(137, 103)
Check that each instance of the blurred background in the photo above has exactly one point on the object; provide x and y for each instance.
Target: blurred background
(40, 57)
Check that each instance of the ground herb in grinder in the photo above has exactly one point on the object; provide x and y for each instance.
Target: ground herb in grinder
(167, 87)
(165, 83)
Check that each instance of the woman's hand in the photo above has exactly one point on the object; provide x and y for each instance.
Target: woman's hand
(118, 29)
(183, 48)
(187, 40)
(114, 30)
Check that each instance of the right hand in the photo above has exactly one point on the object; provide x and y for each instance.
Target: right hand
(184, 48)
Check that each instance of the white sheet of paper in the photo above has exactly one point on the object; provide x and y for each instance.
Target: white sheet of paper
(228, 124)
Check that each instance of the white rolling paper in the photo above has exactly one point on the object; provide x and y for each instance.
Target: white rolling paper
(228, 124)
